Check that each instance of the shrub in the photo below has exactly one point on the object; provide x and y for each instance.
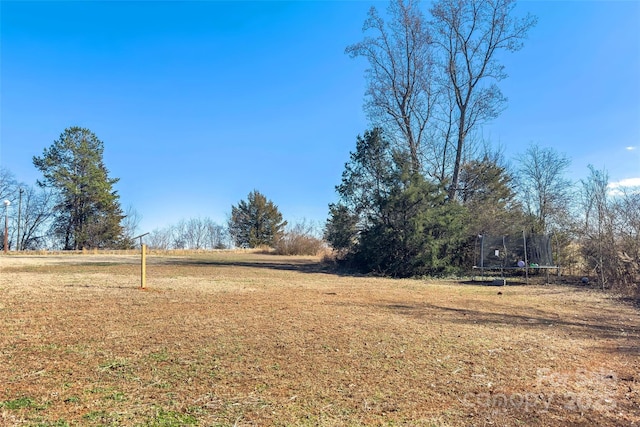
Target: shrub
(300, 239)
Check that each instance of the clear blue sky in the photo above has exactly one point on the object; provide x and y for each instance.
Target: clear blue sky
(199, 103)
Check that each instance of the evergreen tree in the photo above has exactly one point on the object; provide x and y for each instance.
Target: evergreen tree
(487, 190)
(256, 222)
(417, 232)
(341, 229)
(87, 210)
(390, 219)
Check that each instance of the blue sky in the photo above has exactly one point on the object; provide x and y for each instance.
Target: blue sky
(199, 103)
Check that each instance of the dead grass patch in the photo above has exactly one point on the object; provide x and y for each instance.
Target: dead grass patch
(254, 339)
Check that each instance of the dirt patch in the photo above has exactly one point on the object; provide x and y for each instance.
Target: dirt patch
(250, 339)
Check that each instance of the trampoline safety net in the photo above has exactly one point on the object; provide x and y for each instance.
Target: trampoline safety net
(500, 252)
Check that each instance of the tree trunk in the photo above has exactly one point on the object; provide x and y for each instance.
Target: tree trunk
(453, 188)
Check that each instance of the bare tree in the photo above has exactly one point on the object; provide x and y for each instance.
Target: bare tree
(8, 190)
(597, 233)
(179, 235)
(431, 83)
(160, 238)
(36, 214)
(610, 240)
(469, 34)
(217, 236)
(130, 224)
(8, 184)
(401, 89)
(195, 233)
(626, 224)
(627, 214)
(31, 213)
(545, 192)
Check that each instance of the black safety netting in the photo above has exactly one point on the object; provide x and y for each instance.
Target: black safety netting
(532, 251)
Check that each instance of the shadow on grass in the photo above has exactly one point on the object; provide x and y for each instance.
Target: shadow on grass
(633, 350)
(587, 326)
(102, 286)
(535, 280)
(284, 264)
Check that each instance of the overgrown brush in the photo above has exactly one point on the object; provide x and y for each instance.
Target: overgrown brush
(300, 240)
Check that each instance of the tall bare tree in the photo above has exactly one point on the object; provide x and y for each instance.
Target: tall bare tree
(130, 224)
(31, 214)
(194, 233)
(469, 34)
(545, 191)
(8, 190)
(217, 236)
(8, 184)
(431, 83)
(401, 89)
(626, 211)
(36, 214)
(160, 238)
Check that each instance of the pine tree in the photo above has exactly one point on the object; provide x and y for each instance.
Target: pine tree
(486, 189)
(256, 222)
(88, 212)
(390, 219)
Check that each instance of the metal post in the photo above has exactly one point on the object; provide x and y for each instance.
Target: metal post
(504, 257)
(526, 260)
(143, 273)
(6, 226)
(18, 245)
(6, 230)
(482, 256)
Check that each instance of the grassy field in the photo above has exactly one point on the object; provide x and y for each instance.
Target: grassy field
(250, 339)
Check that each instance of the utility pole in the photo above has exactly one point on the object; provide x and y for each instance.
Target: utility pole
(6, 226)
(19, 211)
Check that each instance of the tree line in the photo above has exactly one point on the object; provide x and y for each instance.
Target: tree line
(420, 186)
(75, 207)
(388, 220)
(254, 223)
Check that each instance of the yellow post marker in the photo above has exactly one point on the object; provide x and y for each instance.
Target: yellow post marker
(143, 262)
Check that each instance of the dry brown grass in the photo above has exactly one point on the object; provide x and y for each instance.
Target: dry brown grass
(253, 339)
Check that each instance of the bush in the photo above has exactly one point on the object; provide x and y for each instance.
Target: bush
(300, 239)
